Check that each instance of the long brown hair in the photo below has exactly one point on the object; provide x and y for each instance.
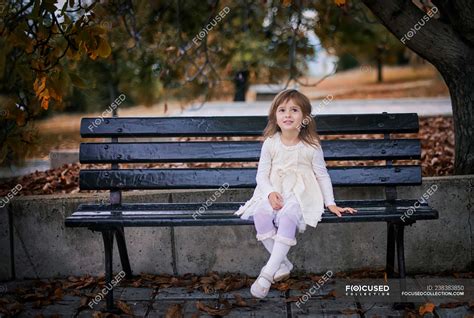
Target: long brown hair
(308, 132)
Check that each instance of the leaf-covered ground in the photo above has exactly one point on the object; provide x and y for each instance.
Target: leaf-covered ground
(42, 293)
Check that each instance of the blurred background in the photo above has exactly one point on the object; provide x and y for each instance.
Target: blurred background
(63, 60)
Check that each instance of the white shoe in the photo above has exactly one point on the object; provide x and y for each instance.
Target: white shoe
(257, 290)
(283, 272)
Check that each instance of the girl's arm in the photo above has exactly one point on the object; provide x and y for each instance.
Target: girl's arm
(263, 171)
(322, 175)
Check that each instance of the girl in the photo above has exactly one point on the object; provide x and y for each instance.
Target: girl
(292, 183)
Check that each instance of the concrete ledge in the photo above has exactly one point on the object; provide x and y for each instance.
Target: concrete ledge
(43, 247)
(58, 158)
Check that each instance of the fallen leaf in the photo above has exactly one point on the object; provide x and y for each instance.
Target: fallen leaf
(239, 301)
(58, 294)
(214, 311)
(174, 311)
(426, 308)
(124, 308)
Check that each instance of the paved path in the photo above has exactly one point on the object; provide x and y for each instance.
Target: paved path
(422, 106)
(155, 302)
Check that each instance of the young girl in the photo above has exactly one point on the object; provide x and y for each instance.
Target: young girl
(292, 183)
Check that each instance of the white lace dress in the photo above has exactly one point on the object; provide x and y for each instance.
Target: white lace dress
(299, 174)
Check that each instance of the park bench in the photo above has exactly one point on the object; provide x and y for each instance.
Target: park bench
(111, 218)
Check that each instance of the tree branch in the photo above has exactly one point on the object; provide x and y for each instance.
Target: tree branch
(436, 41)
(459, 13)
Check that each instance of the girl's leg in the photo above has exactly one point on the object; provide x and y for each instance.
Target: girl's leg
(264, 225)
(266, 230)
(283, 240)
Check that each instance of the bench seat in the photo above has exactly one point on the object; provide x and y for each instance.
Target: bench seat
(181, 214)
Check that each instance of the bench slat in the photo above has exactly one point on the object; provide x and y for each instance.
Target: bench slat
(229, 206)
(241, 125)
(178, 214)
(237, 151)
(128, 179)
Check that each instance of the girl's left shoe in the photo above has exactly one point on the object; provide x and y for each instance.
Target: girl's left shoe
(283, 272)
(257, 290)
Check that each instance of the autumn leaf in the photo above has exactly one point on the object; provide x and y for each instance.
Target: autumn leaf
(331, 295)
(292, 299)
(349, 312)
(104, 49)
(21, 119)
(137, 283)
(124, 308)
(426, 308)
(215, 311)
(239, 301)
(97, 314)
(340, 3)
(174, 311)
(84, 302)
(58, 293)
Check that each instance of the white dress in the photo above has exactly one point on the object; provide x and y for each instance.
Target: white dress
(299, 174)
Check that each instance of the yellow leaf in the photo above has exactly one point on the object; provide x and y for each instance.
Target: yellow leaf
(45, 103)
(104, 49)
(340, 2)
(93, 55)
(39, 85)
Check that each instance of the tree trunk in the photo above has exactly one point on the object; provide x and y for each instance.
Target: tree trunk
(241, 85)
(379, 70)
(461, 89)
(380, 51)
(448, 44)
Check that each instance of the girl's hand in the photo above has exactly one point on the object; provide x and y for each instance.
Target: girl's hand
(338, 210)
(276, 200)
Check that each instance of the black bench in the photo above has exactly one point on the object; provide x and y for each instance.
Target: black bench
(111, 219)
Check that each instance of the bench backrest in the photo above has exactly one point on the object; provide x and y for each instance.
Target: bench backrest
(115, 152)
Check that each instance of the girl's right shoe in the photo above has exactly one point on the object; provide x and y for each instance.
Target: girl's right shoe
(283, 272)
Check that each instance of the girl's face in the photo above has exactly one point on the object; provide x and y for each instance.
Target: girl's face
(289, 116)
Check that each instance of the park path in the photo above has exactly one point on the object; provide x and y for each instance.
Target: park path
(421, 106)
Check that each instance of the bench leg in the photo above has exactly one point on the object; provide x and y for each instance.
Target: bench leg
(122, 247)
(108, 236)
(400, 250)
(389, 268)
(399, 233)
